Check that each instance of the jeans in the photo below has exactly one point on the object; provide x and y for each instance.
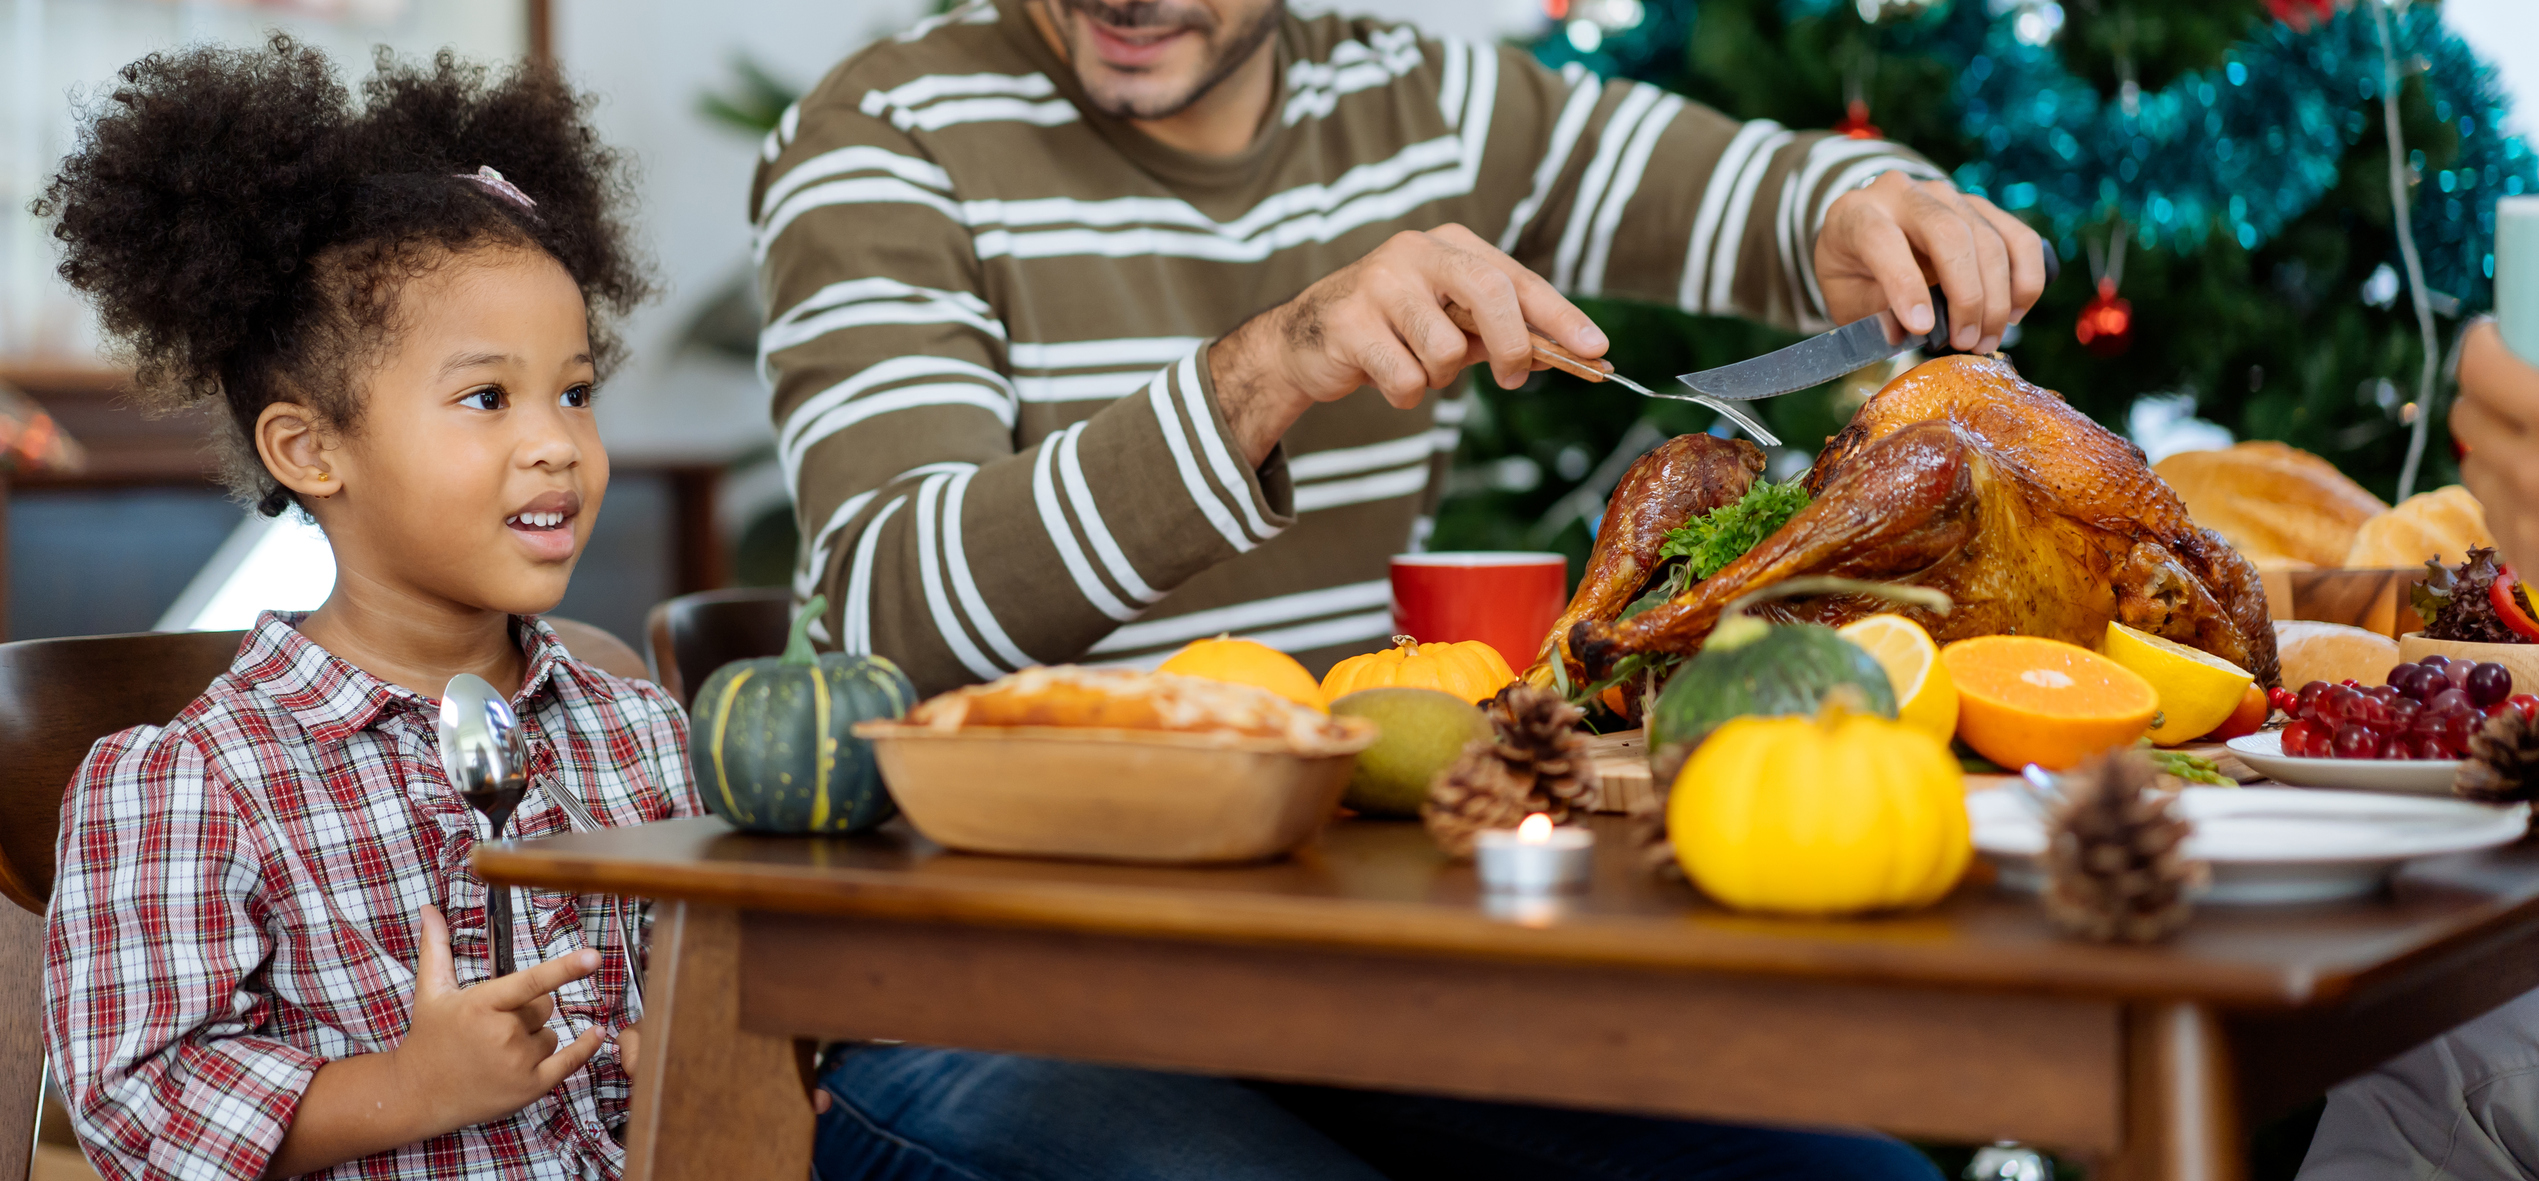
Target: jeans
(908, 1113)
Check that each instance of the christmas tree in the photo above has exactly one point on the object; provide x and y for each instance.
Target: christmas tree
(2216, 174)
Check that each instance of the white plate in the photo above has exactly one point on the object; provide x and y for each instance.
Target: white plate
(2263, 752)
(2272, 844)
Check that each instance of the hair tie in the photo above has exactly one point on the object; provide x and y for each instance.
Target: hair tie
(492, 182)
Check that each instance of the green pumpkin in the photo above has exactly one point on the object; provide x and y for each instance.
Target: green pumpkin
(772, 743)
(1749, 667)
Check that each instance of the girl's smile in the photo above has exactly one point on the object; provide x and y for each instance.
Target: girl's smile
(544, 526)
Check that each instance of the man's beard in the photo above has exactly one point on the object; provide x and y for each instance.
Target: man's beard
(1157, 14)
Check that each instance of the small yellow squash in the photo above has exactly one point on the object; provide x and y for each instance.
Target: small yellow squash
(1248, 662)
(1469, 669)
(1836, 814)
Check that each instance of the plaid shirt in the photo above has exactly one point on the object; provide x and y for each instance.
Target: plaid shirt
(239, 897)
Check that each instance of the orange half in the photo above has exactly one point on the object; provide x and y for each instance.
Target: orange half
(2025, 700)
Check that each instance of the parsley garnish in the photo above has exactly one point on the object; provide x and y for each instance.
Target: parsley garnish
(1712, 540)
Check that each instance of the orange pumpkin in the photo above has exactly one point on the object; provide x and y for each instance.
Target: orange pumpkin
(1469, 669)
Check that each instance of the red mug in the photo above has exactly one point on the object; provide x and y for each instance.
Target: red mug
(1505, 600)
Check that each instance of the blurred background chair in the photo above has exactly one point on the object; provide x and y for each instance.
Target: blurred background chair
(600, 649)
(693, 635)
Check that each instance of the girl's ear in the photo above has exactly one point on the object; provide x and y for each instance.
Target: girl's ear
(298, 450)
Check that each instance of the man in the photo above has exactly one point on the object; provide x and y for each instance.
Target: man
(1032, 410)
(1013, 259)
(2465, 1105)
(2497, 416)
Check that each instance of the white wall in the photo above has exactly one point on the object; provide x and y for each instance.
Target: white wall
(650, 61)
(2505, 33)
(1478, 20)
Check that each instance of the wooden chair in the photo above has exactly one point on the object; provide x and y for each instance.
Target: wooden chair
(57, 698)
(693, 635)
(600, 649)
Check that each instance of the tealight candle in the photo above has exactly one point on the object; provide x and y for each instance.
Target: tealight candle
(1535, 858)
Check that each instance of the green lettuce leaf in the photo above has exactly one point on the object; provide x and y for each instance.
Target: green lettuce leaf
(1712, 540)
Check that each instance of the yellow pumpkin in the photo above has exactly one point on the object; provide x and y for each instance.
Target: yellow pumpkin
(1247, 662)
(1469, 669)
(1834, 814)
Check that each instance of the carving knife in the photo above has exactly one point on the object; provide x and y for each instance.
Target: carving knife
(1822, 358)
(1551, 353)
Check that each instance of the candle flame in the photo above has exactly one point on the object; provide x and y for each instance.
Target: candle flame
(1536, 830)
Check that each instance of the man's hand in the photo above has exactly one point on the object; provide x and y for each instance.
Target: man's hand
(1885, 245)
(1381, 321)
(2497, 417)
(483, 1052)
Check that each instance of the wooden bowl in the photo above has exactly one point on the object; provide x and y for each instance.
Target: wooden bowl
(2371, 599)
(1111, 795)
(2522, 659)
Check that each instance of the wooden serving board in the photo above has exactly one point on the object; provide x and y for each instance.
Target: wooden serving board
(1623, 782)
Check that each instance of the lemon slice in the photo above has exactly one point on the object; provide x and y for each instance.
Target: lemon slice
(1925, 697)
(2198, 690)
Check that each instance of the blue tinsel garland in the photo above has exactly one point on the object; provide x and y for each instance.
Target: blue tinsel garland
(2240, 151)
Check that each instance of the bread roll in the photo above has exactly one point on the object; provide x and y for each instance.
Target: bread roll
(1124, 699)
(2278, 506)
(2332, 652)
(2440, 525)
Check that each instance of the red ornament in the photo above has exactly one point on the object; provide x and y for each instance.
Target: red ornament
(1855, 121)
(2106, 323)
(2300, 14)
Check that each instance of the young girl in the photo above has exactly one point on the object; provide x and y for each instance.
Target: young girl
(266, 953)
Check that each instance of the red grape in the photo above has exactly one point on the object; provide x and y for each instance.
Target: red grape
(2429, 748)
(2309, 696)
(2355, 742)
(2447, 701)
(2403, 713)
(2528, 704)
(2305, 740)
(2437, 661)
(2394, 747)
(2489, 683)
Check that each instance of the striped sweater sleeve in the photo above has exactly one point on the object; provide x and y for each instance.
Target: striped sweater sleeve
(1639, 194)
(938, 541)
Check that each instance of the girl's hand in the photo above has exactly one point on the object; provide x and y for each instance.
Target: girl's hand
(2497, 416)
(483, 1052)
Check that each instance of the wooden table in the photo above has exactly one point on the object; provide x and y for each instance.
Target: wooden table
(1368, 960)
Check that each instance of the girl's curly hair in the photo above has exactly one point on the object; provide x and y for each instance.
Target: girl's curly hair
(243, 226)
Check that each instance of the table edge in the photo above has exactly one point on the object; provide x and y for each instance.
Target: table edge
(1122, 913)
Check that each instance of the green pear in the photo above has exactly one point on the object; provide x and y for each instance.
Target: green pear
(1423, 730)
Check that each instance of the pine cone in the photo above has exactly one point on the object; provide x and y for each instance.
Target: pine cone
(2115, 863)
(1539, 737)
(1655, 853)
(1477, 791)
(2503, 761)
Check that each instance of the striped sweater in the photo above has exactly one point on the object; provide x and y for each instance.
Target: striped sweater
(989, 306)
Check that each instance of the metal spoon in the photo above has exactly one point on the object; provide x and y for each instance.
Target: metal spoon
(487, 761)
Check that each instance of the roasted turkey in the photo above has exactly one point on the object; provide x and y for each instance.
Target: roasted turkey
(1960, 476)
